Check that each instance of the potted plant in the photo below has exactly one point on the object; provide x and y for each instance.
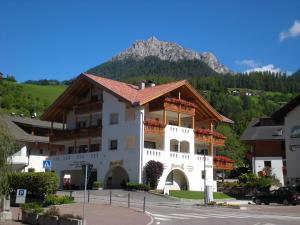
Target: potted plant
(69, 219)
(97, 185)
(50, 217)
(30, 213)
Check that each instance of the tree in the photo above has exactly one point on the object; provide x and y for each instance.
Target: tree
(7, 146)
(153, 171)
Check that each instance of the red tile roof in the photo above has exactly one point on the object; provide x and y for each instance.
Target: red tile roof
(132, 93)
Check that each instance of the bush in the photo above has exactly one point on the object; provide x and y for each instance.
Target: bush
(137, 186)
(31, 207)
(37, 184)
(52, 211)
(153, 171)
(57, 200)
(97, 185)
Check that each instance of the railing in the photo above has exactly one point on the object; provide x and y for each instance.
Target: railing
(180, 155)
(218, 142)
(62, 135)
(223, 165)
(205, 135)
(88, 107)
(154, 127)
(179, 105)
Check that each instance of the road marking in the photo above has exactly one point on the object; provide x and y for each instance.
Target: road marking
(162, 219)
(169, 216)
(188, 215)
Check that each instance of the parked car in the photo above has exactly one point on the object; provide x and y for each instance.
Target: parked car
(284, 195)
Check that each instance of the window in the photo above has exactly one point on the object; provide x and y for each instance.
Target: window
(202, 151)
(150, 144)
(95, 148)
(83, 149)
(99, 122)
(113, 144)
(113, 118)
(81, 124)
(130, 142)
(71, 150)
(94, 98)
(267, 164)
(41, 151)
(130, 114)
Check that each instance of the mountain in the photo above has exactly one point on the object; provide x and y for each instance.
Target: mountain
(154, 57)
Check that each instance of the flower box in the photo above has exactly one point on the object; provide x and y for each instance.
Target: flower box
(48, 220)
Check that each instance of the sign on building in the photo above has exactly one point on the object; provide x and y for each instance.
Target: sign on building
(21, 196)
(47, 164)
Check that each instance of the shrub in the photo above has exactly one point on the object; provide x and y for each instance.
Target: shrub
(31, 207)
(37, 184)
(52, 211)
(137, 186)
(153, 171)
(57, 200)
(97, 184)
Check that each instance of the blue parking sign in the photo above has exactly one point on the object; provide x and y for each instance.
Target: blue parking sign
(47, 164)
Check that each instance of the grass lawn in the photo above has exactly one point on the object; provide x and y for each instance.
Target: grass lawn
(196, 195)
(47, 92)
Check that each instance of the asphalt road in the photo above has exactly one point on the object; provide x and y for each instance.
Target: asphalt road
(166, 211)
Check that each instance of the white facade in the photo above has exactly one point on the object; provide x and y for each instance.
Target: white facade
(122, 155)
(292, 142)
(276, 165)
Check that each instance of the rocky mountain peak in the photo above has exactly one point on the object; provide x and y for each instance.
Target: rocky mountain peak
(168, 51)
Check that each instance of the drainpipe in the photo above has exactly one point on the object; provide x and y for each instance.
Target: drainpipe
(141, 119)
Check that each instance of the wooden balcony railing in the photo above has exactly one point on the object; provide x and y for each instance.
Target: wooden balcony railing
(223, 163)
(62, 135)
(205, 135)
(88, 107)
(154, 127)
(179, 105)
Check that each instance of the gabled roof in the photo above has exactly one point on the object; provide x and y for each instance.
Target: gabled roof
(129, 93)
(255, 131)
(19, 134)
(283, 111)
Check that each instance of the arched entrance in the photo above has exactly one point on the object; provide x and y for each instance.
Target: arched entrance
(177, 180)
(115, 177)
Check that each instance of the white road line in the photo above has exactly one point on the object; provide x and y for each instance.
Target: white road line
(190, 216)
(162, 219)
(167, 216)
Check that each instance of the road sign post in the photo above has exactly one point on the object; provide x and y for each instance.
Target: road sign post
(86, 169)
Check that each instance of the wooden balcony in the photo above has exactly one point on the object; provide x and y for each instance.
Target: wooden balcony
(88, 107)
(219, 142)
(223, 166)
(154, 127)
(223, 163)
(180, 106)
(64, 135)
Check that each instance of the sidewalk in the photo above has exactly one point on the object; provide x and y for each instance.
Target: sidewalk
(98, 214)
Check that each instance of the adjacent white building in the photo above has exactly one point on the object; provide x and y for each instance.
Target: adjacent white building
(119, 127)
(32, 142)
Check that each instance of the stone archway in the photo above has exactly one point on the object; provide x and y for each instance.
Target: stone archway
(177, 180)
(115, 177)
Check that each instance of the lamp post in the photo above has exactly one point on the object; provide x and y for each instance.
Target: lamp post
(205, 192)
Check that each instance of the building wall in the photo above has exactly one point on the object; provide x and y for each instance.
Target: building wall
(276, 165)
(267, 148)
(292, 120)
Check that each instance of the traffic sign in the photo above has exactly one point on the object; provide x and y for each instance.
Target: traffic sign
(47, 164)
(21, 196)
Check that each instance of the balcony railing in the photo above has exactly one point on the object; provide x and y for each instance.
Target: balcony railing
(179, 105)
(223, 163)
(88, 107)
(75, 134)
(154, 127)
(205, 135)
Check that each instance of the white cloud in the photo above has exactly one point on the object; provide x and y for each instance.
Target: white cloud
(294, 31)
(249, 63)
(269, 67)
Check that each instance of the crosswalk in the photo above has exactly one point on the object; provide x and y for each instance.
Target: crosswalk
(186, 216)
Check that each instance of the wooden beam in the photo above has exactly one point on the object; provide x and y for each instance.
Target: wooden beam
(193, 122)
(165, 116)
(211, 139)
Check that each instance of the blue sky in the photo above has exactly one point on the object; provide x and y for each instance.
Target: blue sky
(61, 39)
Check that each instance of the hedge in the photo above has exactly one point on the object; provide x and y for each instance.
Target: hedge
(137, 186)
(57, 200)
(37, 184)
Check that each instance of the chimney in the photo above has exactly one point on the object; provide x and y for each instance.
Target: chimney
(151, 83)
(142, 85)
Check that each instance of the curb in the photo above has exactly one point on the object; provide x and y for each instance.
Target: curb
(151, 218)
